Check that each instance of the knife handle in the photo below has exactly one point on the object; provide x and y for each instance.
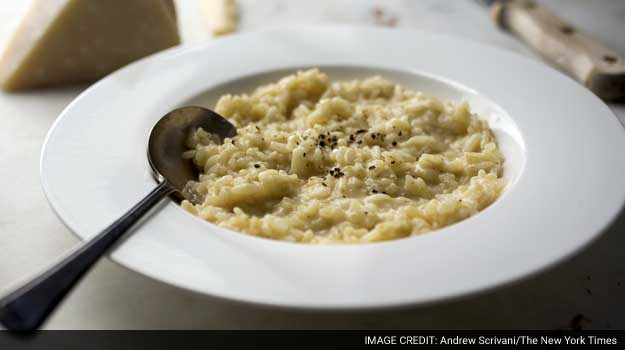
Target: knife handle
(584, 58)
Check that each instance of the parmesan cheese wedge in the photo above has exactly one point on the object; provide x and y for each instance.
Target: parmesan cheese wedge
(74, 41)
(222, 16)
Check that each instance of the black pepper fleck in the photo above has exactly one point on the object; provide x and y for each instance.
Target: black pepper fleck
(372, 167)
(394, 143)
(336, 172)
(374, 191)
(256, 166)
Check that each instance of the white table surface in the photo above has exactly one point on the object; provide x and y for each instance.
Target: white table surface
(110, 297)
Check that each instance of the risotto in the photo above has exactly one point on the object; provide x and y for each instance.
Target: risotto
(344, 162)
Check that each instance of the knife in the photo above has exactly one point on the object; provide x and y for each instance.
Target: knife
(575, 53)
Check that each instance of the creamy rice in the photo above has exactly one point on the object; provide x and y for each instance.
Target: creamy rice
(350, 162)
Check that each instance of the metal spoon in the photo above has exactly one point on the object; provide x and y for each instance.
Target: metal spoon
(28, 306)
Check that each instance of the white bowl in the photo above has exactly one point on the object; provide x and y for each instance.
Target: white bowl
(564, 166)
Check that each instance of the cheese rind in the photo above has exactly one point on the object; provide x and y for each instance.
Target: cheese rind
(74, 41)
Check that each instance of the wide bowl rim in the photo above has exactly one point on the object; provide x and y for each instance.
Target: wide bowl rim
(361, 304)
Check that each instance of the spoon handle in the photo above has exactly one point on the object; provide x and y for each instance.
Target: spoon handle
(27, 307)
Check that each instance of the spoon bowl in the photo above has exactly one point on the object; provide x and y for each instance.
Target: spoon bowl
(168, 138)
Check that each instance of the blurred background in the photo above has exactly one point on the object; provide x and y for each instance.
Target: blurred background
(585, 292)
